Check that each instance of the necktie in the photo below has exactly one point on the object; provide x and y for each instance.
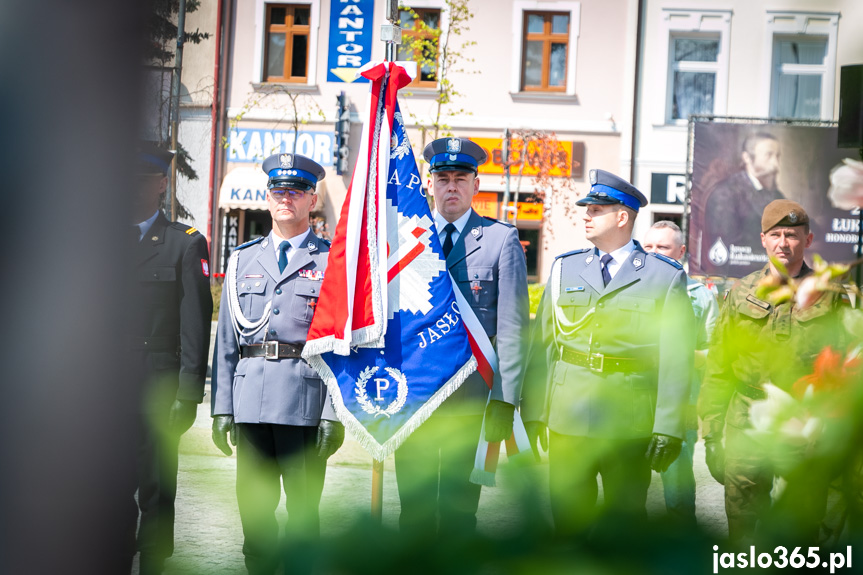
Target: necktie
(447, 243)
(283, 255)
(604, 260)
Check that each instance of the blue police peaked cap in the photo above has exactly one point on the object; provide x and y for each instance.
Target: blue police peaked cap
(292, 171)
(606, 189)
(454, 154)
(153, 158)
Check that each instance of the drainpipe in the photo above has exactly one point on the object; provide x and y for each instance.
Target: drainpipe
(214, 121)
(635, 100)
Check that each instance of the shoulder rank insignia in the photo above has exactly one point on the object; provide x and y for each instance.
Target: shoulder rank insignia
(250, 243)
(574, 252)
(667, 260)
(316, 275)
(191, 231)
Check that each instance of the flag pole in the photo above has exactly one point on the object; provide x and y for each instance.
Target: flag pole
(391, 35)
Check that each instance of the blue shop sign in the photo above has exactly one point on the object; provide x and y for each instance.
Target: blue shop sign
(351, 34)
(245, 145)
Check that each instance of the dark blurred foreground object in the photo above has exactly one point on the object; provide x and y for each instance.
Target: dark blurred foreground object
(72, 102)
(169, 344)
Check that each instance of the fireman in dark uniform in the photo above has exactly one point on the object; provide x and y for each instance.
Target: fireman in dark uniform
(170, 339)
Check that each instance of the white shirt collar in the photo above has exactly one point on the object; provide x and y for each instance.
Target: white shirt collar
(755, 182)
(618, 256)
(296, 242)
(459, 224)
(145, 226)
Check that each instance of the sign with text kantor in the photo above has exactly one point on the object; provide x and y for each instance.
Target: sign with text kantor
(350, 43)
(570, 158)
(248, 145)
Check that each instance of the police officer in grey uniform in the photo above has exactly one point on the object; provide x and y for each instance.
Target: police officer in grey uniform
(271, 403)
(609, 365)
(485, 258)
(170, 339)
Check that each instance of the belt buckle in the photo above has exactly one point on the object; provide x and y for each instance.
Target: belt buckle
(271, 350)
(595, 362)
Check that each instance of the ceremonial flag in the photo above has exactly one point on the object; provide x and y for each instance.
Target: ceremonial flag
(388, 337)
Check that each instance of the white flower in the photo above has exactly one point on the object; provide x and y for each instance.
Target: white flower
(846, 185)
(807, 292)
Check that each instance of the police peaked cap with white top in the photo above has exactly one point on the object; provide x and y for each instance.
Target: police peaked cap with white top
(455, 154)
(153, 158)
(292, 171)
(606, 189)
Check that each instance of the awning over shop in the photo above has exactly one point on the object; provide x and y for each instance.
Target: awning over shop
(244, 188)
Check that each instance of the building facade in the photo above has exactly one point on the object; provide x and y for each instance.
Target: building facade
(539, 66)
(751, 59)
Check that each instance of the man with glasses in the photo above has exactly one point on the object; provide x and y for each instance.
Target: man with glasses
(271, 403)
(169, 345)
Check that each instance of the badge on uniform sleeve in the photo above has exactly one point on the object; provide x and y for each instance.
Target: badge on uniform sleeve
(205, 267)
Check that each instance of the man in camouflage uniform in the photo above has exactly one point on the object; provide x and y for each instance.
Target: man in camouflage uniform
(757, 342)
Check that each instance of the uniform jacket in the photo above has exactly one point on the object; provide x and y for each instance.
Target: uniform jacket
(489, 268)
(258, 390)
(645, 314)
(756, 342)
(171, 319)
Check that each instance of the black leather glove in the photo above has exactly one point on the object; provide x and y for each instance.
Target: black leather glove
(222, 426)
(181, 416)
(714, 455)
(331, 435)
(498, 420)
(662, 451)
(537, 435)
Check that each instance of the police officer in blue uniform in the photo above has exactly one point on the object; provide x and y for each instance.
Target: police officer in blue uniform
(485, 258)
(169, 346)
(271, 403)
(609, 364)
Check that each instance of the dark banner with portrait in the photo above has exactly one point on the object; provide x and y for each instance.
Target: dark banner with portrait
(737, 169)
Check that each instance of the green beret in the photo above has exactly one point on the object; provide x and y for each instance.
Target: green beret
(784, 213)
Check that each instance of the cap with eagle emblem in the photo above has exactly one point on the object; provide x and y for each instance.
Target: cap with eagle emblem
(454, 154)
(292, 171)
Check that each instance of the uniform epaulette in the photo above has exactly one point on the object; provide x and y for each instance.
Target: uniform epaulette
(189, 230)
(573, 252)
(250, 243)
(667, 260)
(326, 241)
(491, 219)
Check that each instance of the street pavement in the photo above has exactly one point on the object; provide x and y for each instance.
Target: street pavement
(209, 538)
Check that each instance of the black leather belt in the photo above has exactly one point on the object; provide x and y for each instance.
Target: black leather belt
(751, 392)
(271, 350)
(604, 363)
(164, 343)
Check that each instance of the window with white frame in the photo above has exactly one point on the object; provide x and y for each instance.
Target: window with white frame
(693, 65)
(695, 45)
(800, 54)
(544, 42)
